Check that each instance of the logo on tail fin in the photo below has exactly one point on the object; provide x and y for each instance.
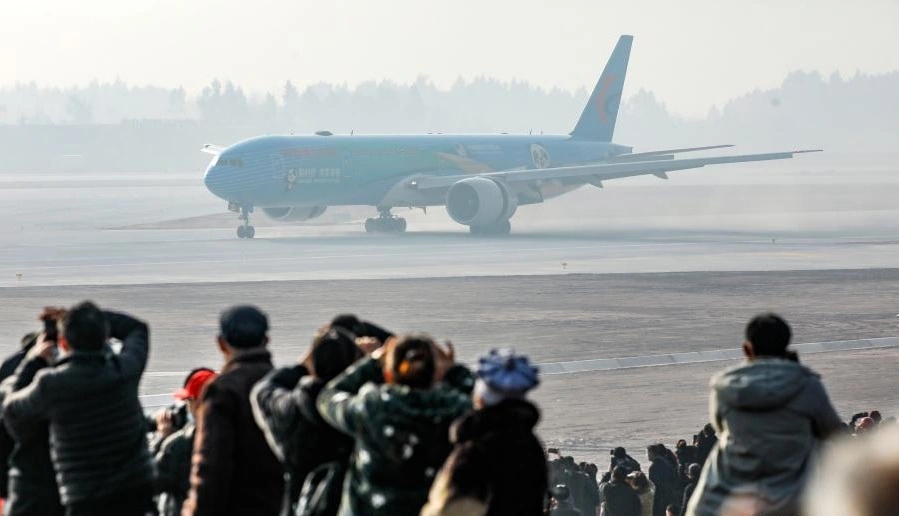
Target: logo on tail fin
(607, 104)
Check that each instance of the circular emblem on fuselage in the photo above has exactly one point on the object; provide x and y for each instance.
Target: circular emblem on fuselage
(291, 178)
(539, 156)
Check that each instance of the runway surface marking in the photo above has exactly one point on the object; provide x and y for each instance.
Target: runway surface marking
(612, 364)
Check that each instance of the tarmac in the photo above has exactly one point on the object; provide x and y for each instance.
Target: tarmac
(645, 269)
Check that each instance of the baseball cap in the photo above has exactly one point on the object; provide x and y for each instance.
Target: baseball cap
(194, 384)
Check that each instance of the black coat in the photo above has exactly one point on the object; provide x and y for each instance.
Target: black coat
(496, 460)
(664, 476)
(620, 499)
(172, 462)
(234, 472)
(97, 425)
(284, 407)
(31, 480)
(688, 492)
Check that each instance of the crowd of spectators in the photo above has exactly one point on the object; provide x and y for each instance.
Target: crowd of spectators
(368, 422)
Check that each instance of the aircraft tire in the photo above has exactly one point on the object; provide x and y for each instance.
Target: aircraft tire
(371, 225)
(399, 225)
(250, 232)
(241, 232)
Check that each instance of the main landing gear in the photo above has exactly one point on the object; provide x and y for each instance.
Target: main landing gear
(501, 228)
(245, 230)
(385, 223)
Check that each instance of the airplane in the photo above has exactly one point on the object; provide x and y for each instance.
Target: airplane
(480, 179)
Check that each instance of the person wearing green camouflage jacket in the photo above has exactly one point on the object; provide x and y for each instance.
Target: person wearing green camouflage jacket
(398, 406)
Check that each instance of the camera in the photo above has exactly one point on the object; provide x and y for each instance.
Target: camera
(177, 412)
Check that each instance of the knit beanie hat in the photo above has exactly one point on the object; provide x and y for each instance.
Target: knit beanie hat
(502, 374)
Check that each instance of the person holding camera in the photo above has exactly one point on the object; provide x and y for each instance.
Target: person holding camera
(772, 412)
(173, 442)
(397, 406)
(96, 423)
(29, 483)
(314, 454)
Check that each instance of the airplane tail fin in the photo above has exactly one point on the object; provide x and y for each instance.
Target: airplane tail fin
(597, 122)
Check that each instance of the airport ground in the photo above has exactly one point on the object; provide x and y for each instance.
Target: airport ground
(643, 268)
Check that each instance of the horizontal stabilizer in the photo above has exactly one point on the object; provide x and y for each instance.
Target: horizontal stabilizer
(212, 149)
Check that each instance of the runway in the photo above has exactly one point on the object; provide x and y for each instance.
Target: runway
(641, 269)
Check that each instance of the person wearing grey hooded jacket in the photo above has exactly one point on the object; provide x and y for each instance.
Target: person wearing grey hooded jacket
(771, 414)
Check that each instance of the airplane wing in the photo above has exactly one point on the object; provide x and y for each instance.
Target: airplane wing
(601, 171)
(212, 149)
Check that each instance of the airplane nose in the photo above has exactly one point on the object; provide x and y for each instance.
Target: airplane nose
(214, 181)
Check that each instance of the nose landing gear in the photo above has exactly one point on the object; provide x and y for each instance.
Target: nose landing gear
(245, 230)
(385, 223)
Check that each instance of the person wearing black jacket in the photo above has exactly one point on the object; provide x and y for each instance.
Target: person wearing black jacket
(284, 408)
(233, 471)
(30, 482)
(618, 497)
(664, 476)
(693, 472)
(497, 465)
(97, 426)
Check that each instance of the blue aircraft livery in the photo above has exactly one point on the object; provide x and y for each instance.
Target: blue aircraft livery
(481, 179)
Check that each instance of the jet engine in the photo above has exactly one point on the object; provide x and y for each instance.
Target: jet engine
(480, 201)
(294, 213)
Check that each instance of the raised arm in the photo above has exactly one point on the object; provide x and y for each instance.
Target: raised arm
(135, 337)
(340, 401)
(277, 407)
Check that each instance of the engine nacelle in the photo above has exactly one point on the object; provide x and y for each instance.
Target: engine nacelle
(294, 213)
(479, 201)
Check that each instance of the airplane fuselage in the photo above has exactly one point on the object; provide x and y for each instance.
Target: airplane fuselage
(335, 170)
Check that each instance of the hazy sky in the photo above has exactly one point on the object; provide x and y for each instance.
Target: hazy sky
(692, 53)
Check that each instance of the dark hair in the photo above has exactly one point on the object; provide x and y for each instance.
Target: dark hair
(243, 327)
(640, 480)
(875, 415)
(619, 453)
(769, 335)
(85, 328)
(348, 322)
(333, 351)
(413, 361)
(619, 474)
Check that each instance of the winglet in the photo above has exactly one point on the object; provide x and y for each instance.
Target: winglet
(597, 121)
(212, 149)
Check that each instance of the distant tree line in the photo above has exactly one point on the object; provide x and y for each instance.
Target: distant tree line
(807, 110)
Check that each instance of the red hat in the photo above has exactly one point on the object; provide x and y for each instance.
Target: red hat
(194, 384)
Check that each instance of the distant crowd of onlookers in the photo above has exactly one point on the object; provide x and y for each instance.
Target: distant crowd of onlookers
(368, 422)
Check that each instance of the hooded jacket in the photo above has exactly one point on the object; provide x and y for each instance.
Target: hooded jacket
(770, 414)
(401, 435)
(497, 460)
